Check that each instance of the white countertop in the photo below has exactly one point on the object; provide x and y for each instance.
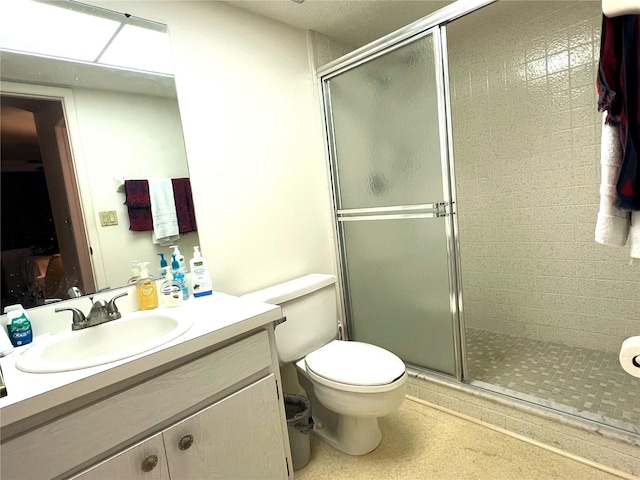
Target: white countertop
(217, 318)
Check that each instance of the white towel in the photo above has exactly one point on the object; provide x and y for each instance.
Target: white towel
(163, 211)
(612, 224)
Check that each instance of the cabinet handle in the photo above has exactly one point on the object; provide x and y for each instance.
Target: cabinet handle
(149, 463)
(185, 442)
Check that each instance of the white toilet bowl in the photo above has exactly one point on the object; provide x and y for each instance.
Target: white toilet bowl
(350, 385)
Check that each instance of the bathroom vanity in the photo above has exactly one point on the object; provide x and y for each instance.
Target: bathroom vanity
(205, 405)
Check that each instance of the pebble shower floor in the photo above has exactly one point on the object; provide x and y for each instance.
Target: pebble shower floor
(579, 381)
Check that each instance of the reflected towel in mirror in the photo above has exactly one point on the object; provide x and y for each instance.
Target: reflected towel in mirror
(163, 211)
(138, 202)
(138, 205)
(184, 205)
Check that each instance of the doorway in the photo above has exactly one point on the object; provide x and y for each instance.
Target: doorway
(44, 247)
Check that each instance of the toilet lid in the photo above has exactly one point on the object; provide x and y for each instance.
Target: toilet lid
(355, 363)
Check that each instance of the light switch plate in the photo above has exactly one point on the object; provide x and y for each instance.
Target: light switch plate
(108, 218)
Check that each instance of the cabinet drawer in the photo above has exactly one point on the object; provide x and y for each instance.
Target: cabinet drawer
(77, 438)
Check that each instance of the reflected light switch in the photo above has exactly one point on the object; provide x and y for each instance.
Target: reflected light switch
(108, 218)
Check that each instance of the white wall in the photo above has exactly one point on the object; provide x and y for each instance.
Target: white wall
(253, 141)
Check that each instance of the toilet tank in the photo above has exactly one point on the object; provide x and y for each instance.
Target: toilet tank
(309, 304)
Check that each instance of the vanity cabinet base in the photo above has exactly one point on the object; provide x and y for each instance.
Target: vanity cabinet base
(237, 437)
(229, 396)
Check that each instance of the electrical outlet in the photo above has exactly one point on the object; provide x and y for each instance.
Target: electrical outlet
(108, 218)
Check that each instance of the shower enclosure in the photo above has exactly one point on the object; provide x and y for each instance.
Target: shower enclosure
(393, 202)
(464, 152)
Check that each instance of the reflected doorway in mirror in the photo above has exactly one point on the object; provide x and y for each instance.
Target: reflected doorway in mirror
(42, 221)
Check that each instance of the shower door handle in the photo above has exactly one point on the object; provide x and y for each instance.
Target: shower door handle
(425, 210)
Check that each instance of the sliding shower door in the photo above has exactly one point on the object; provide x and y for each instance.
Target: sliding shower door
(387, 136)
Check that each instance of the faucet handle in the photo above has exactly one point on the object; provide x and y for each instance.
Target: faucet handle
(78, 317)
(112, 308)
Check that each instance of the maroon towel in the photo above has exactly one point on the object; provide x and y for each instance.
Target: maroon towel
(138, 204)
(184, 205)
(619, 95)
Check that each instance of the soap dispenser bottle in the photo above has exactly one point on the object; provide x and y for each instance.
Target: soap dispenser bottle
(146, 289)
(179, 258)
(135, 273)
(171, 293)
(178, 276)
(200, 279)
(163, 265)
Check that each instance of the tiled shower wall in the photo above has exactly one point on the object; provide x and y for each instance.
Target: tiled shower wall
(527, 151)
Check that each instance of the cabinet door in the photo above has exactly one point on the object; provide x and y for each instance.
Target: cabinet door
(144, 461)
(239, 437)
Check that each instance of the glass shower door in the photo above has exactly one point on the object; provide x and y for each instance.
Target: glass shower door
(388, 149)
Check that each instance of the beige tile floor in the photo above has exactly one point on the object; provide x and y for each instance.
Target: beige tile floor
(420, 442)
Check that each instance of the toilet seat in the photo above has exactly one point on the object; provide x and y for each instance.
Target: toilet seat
(355, 366)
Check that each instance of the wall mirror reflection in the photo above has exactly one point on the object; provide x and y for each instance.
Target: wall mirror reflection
(78, 118)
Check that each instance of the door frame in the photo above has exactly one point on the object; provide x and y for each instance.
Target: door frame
(80, 205)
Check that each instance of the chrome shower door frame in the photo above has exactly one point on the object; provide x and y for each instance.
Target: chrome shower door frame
(433, 25)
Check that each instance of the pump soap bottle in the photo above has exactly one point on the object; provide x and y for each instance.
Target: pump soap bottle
(178, 276)
(146, 289)
(179, 258)
(200, 279)
(163, 265)
(135, 273)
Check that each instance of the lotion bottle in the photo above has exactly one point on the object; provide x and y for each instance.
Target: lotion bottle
(200, 279)
(146, 289)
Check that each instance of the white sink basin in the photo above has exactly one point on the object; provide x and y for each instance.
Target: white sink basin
(134, 333)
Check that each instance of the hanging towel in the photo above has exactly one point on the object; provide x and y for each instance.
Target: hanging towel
(163, 211)
(612, 224)
(619, 96)
(138, 204)
(184, 205)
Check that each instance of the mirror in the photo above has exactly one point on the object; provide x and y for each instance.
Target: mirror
(72, 130)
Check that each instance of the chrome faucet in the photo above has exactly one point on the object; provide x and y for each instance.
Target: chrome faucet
(74, 292)
(101, 312)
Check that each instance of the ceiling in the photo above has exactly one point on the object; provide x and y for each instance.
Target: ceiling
(352, 22)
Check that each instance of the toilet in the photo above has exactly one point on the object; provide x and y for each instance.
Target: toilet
(349, 384)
